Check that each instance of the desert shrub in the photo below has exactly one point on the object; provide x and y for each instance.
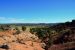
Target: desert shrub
(32, 30)
(1, 28)
(44, 34)
(23, 28)
(17, 32)
(5, 27)
(16, 28)
(40, 32)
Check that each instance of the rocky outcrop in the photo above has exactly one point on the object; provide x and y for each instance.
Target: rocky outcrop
(64, 46)
(22, 41)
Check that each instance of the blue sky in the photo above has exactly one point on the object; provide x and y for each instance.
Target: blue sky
(36, 11)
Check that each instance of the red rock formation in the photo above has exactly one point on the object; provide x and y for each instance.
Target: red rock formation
(22, 41)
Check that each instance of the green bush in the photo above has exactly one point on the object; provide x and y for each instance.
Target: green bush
(40, 32)
(23, 28)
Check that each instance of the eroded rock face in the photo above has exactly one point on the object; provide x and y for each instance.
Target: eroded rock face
(62, 46)
(28, 46)
(22, 41)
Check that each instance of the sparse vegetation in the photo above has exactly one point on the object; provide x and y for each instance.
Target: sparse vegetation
(62, 33)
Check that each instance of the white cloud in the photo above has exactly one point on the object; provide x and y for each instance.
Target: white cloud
(12, 20)
(2, 18)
